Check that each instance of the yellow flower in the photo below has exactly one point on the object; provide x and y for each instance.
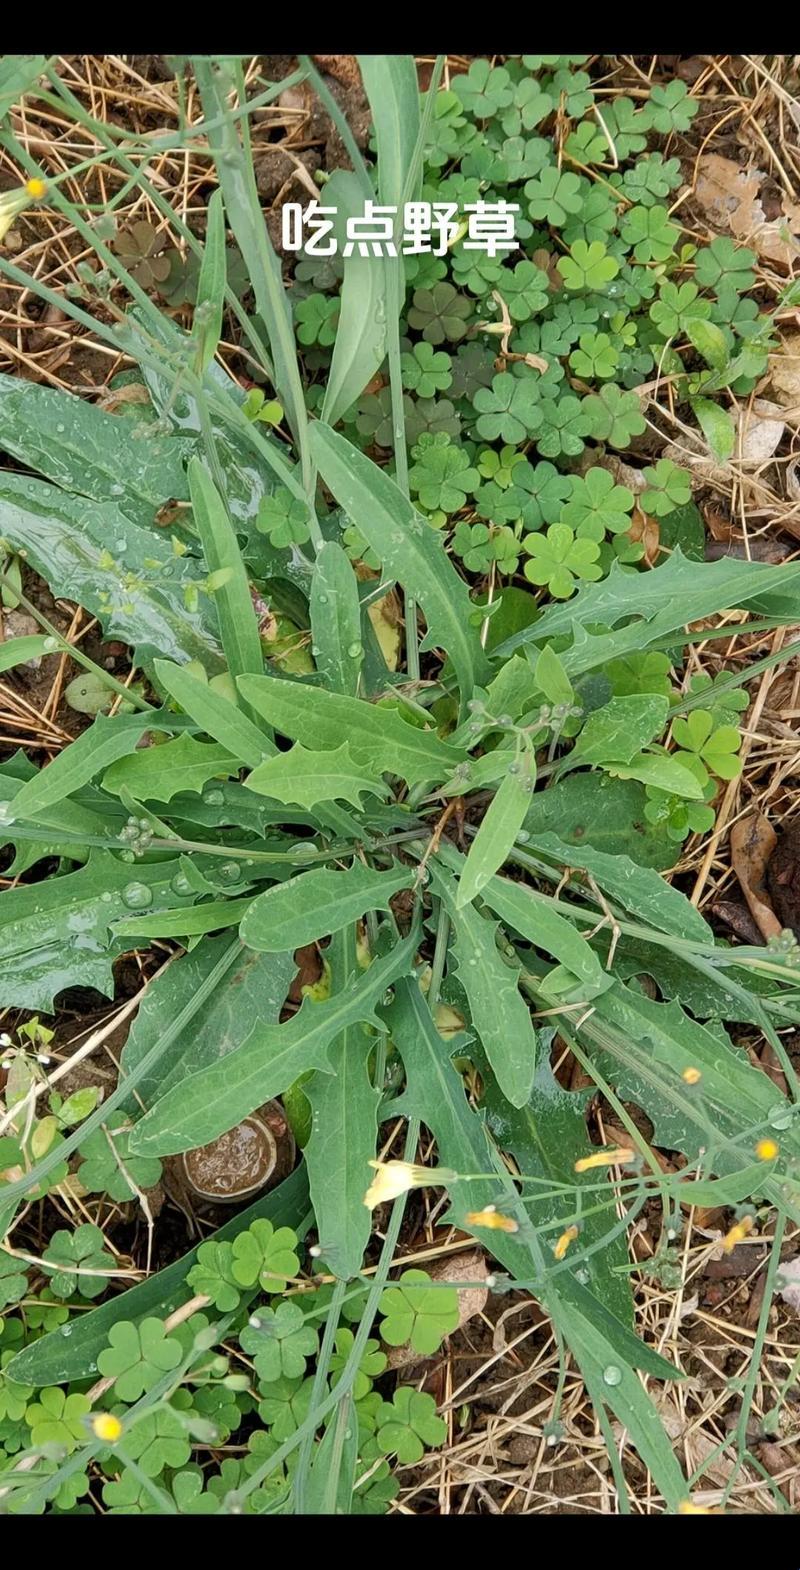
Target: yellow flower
(12, 203)
(612, 1156)
(560, 1248)
(767, 1149)
(691, 1076)
(397, 1177)
(686, 1507)
(105, 1426)
(491, 1218)
(737, 1234)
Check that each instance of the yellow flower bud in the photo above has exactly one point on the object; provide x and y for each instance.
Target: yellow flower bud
(737, 1234)
(397, 1177)
(611, 1156)
(105, 1426)
(691, 1076)
(492, 1219)
(560, 1248)
(767, 1149)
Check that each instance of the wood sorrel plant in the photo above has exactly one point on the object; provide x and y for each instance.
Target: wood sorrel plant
(274, 791)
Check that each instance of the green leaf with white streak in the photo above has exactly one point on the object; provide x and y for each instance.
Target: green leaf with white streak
(90, 453)
(637, 889)
(409, 549)
(207, 1104)
(159, 773)
(237, 617)
(253, 990)
(95, 750)
(497, 1008)
(317, 903)
(306, 777)
(336, 620)
(498, 830)
(620, 729)
(57, 933)
(379, 738)
(344, 1126)
(91, 552)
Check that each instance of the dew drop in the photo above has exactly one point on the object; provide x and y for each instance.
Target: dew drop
(213, 798)
(61, 429)
(323, 599)
(66, 1330)
(126, 855)
(137, 895)
(230, 871)
(355, 651)
(780, 1117)
(612, 1375)
(180, 884)
(582, 1275)
(50, 644)
(105, 897)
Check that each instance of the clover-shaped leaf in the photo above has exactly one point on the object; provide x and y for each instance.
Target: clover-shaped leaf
(509, 409)
(265, 1254)
(13, 1280)
(442, 475)
(558, 559)
(676, 817)
(616, 416)
(440, 313)
(108, 1167)
(213, 1275)
(418, 1312)
(565, 422)
(627, 126)
(78, 1262)
(650, 180)
(137, 1356)
(280, 1341)
(484, 90)
(597, 505)
(473, 367)
(649, 231)
(539, 492)
(596, 357)
(426, 370)
(285, 1405)
(499, 466)
(668, 487)
(374, 1495)
(371, 1364)
(715, 745)
(720, 702)
(635, 673)
(524, 156)
(595, 220)
(670, 108)
(479, 544)
(552, 196)
(158, 1440)
(57, 1419)
(283, 517)
(588, 266)
(723, 261)
(677, 305)
(530, 106)
(408, 1424)
(525, 291)
(317, 319)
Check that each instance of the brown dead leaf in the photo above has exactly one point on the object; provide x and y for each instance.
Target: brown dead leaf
(761, 426)
(645, 530)
(752, 842)
(472, 1300)
(730, 197)
(789, 1283)
(784, 371)
(725, 191)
